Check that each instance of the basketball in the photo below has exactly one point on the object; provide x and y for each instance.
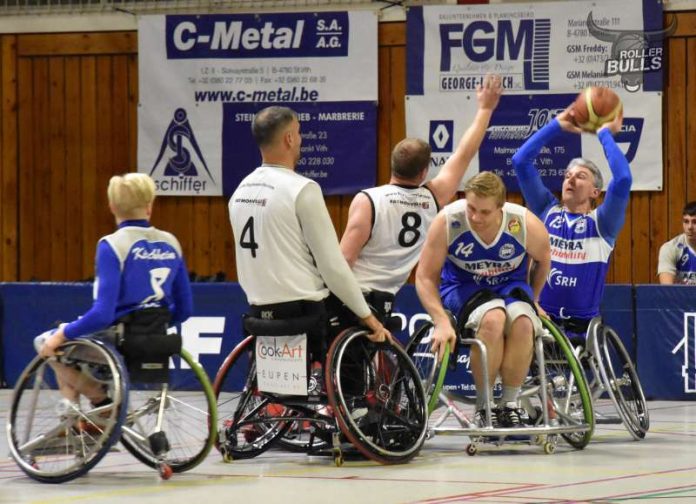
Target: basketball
(595, 106)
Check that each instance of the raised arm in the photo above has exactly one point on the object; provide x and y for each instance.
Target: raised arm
(611, 213)
(445, 184)
(428, 282)
(535, 193)
(358, 229)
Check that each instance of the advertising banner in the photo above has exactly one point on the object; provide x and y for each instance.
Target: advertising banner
(546, 54)
(202, 77)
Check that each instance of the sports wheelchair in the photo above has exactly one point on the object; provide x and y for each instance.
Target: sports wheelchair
(611, 374)
(555, 396)
(372, 396)
(164, 417)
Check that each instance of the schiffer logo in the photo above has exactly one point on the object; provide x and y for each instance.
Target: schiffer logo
(631, 51)
(180, 141)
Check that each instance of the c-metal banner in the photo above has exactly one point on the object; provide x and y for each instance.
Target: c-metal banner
(546, 54)
(203, 77)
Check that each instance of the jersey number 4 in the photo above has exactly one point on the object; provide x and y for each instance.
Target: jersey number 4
(409, 234)
(247, 240)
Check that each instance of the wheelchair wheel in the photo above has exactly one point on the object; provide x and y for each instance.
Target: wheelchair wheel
(377, 396)
(567, 387)
(245, 430)
(622, 383)
(431, 372)
(188, 418)
(54, 440)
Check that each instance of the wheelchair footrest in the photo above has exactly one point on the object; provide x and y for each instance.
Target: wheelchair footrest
(158, 443)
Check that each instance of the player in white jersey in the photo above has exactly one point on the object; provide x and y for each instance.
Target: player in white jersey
(475, 264)
(387, 224)
(287, 253)
(677, 263)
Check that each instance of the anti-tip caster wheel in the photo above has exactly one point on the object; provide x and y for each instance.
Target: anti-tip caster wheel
(165, 471)
(549, 448)
(471, 449)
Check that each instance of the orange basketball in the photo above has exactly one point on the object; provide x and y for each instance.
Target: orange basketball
(595, 106)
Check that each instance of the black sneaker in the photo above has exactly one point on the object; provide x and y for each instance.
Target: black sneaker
(511, 415)
(480, 418)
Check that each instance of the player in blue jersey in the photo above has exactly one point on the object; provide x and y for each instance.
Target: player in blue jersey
(137, 267)
(475, 263)
(677, 263)
(582, 234)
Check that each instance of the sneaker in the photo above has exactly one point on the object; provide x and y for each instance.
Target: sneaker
(480, 418)
(511, 415)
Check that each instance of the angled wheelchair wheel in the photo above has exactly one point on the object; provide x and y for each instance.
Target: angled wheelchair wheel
(431, 372)
(173, 423)
(249, 423)
(567, 387)
(621, 381)
(54, 440)
(377, 397)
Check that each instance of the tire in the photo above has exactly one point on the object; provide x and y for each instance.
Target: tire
(55, 445)
(567, 387)
(377, 397)
(621, 382)
(243, 431)
(431, 371)
(188, 421)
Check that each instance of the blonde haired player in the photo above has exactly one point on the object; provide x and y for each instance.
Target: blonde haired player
(475, 264)
(137, 267)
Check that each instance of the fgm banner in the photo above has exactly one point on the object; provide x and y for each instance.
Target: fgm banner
(546, 54)
(203, 77)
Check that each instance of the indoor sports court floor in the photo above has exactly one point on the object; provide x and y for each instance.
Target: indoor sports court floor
(613, 468)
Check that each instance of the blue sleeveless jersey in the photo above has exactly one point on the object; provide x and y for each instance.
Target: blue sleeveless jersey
(579, 262)
(471, 265)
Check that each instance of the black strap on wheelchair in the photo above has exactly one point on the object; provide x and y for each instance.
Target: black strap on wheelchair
(146, 346)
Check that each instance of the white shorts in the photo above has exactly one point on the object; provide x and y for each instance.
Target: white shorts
(512, 311)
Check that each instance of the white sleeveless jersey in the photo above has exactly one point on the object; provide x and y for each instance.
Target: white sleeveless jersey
(274, 263)
(401, 218)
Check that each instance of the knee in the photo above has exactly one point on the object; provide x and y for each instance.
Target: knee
(492, 325)
(522, 328)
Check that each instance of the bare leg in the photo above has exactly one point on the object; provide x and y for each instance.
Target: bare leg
(72, 383)
(490, 332)
(518, 352)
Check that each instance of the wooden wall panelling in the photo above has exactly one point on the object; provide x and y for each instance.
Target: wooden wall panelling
(397, 84)
(105, 166)
(640, 231)
(690, 164)
(25, 163)
(73, 170)
(56, 166)
(662, 219)
(92, 44)
(8, 159)
(383, 116)
(88, 160)
(41, 180)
